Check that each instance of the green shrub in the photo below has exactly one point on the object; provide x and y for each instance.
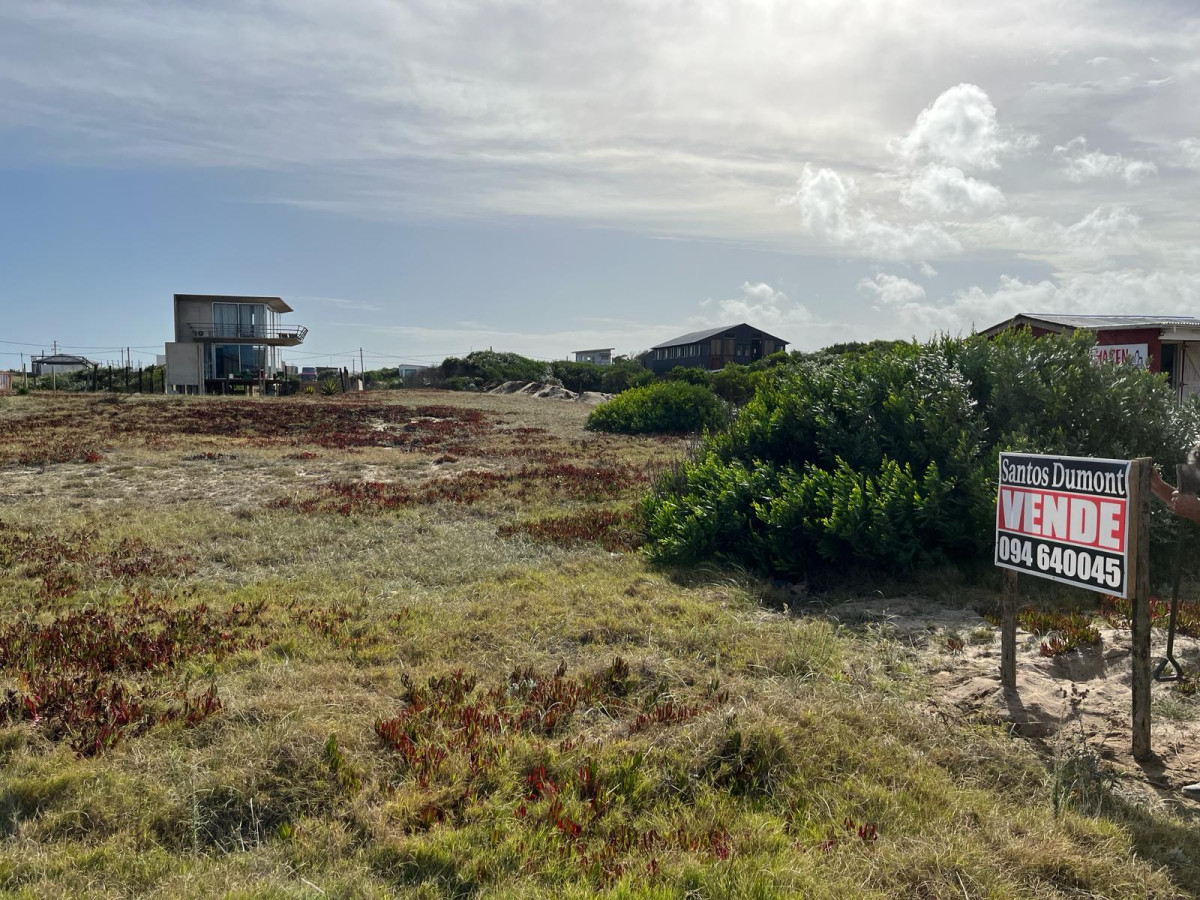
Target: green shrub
(885, 457)
(578, 376)
(665, 407)
(735, 383)
(624, 374)
(689, 374)
(487, 367)
(331, 386)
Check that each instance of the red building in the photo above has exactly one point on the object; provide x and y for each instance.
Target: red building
(1169, 344)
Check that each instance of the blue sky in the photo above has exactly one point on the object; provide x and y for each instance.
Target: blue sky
(425, 179)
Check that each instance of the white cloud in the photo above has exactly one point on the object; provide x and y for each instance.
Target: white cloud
(760, 305)
(1082, 165)
(1189, 152)
(927, 270)
(827, 208)
(960, 129)
(1106, 231)
(946, 190)
(891, 290)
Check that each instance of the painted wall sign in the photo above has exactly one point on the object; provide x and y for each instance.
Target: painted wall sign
(1137, 355)
(1065, 518)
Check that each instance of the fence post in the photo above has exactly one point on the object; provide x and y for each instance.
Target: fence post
(1139, 556)
(1008, 632)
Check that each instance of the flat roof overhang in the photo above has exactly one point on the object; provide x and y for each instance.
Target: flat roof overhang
(276, 303)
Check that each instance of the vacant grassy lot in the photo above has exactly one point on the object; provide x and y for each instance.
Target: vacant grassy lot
(404, 646)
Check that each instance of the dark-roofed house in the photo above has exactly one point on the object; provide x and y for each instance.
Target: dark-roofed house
(714, 348)
(1169, 344)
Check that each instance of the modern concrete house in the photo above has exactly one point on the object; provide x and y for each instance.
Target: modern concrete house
(1169, 344)
(714, 348)
(601, 357)
(59, 364)
(222, 342)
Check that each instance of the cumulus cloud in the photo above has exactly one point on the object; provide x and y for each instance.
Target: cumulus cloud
(960, 129)
(828, 210)
(758, 304)
(946, 190)
(1080, 164)
(891, 290)
(1106, 231)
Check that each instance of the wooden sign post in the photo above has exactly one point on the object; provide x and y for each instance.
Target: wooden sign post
(1083, 522)
(1139, 597)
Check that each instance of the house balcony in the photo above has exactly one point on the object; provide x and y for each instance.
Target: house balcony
(268, 335)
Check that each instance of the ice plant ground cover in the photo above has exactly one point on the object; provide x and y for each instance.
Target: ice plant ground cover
(406, 646)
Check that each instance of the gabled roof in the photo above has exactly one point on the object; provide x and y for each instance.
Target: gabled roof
(276, 303)
(693, 337)
(1057, 322)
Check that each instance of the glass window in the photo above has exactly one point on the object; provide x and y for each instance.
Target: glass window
(226, 360)
(232, 360)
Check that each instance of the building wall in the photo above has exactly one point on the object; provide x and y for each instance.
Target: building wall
(1148, 336)
(189, 311)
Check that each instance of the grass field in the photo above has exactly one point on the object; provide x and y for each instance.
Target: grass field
(405, 646)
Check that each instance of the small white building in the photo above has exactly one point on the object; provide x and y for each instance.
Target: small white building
(601, 357)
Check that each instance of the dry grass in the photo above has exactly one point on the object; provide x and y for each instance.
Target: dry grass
(737, 750)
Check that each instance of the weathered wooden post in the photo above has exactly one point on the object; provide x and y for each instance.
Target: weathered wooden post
(1139, 599)
(1008, 632)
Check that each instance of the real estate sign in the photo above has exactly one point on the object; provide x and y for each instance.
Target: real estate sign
(1065, 518)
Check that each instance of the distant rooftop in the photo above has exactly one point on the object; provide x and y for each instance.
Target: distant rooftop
(62, 359)
(693, 337)
(1094, 323)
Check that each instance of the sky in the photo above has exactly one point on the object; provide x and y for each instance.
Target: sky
(423, 179)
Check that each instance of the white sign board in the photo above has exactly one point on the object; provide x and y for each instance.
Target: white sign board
(1065, 518)
(1136, 355)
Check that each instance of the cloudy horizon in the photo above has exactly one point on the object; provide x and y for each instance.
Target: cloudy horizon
(429, 178)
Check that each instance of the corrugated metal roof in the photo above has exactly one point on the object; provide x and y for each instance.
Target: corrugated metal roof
(1097, 323)
(693, 337)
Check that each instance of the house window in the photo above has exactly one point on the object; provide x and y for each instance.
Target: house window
(240, 319)
(231, 359)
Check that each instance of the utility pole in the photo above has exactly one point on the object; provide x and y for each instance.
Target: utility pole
(362, 369)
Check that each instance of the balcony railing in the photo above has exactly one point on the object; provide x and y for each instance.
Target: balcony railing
(276, 335)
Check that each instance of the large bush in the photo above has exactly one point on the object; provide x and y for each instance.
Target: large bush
(487, 367)
(664, 407)
(578, 376)
(886, 457)
(623, 374)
